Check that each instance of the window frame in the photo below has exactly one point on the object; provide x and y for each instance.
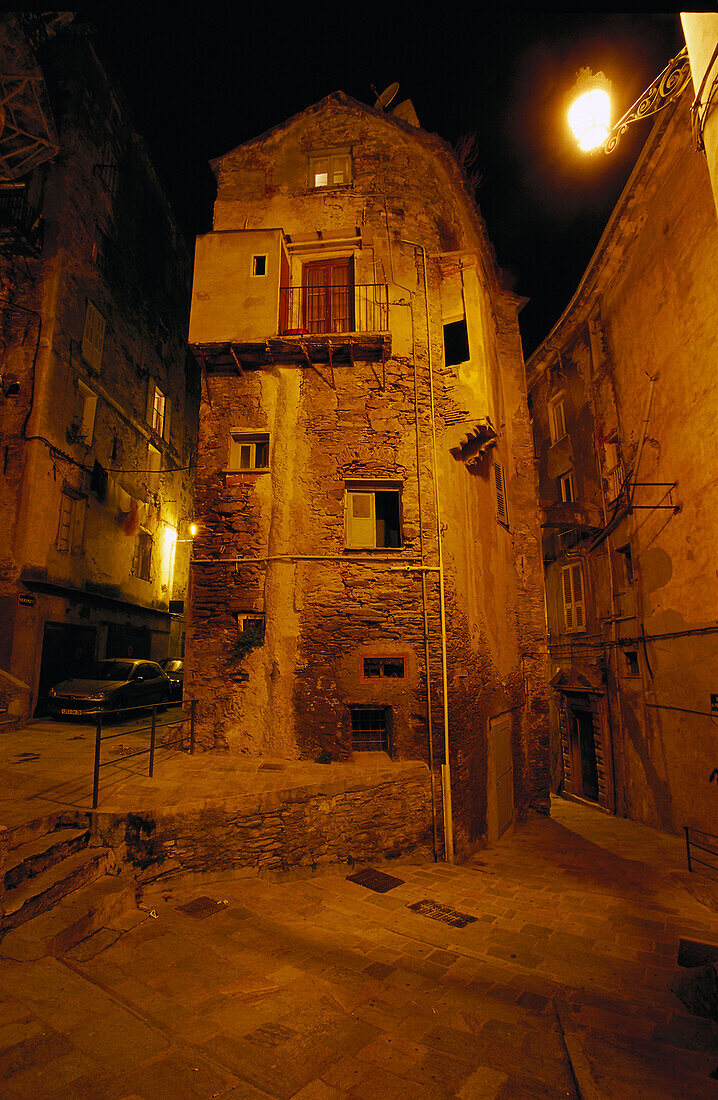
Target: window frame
(383, 657)
(557, 402)
(239, 438)
(331, 157)
(567, 479)
(574, 624)
(386, 743)
(74, 505)
(144, 546)
(254, 274)
(93, 336)
(454, 341)
(354, 488)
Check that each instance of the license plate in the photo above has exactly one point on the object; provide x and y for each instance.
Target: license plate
(70, 712)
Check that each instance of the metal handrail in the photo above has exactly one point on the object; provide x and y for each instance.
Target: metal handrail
(152, 727)
(357, 307)
(692, 858)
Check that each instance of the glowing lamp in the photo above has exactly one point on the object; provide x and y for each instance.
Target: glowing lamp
(590, 113)
(192, 530)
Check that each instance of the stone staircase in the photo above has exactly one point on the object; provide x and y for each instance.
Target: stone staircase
(55, 888)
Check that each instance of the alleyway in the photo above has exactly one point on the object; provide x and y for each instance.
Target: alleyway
(320, 988)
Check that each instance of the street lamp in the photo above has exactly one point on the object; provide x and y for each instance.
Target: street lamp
(589, 114)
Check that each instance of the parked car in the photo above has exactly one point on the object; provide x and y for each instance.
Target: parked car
(175, 670)
(112, 686)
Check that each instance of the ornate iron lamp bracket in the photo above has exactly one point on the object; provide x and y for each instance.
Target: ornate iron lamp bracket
(665, 89)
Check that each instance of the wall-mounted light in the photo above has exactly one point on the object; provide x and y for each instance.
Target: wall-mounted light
(589, 114)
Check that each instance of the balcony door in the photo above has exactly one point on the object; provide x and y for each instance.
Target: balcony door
(329, 296)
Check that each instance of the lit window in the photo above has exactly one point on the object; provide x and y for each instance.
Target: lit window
(574, 601)
(142, 561)
(567, 488)
(93, 337)
(250, 625)
(249, 451)
(502, 511)
(154, 465)
(557, 419)
(384, 668)
(373, 517)
(331, 169)
(71, 526)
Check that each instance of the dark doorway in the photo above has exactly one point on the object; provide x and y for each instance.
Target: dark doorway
(583, 746)
(67, 651)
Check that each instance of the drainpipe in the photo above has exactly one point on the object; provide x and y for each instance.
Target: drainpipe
(446, 767)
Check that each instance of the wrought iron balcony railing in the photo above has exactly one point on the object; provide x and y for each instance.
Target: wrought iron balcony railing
(20, 227)
(614, 482)
(333, 309)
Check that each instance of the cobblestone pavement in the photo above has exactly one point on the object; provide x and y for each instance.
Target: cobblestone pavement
(320, 988)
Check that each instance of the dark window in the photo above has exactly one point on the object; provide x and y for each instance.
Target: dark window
(456, 342)
(249, 452)
(259, 265)
(625, 552)
(142, 563)
(384, 667)
(328, 296)
(632, 666)
(371, 729)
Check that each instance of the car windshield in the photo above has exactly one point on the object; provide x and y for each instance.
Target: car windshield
(111, 670)
(172, 666)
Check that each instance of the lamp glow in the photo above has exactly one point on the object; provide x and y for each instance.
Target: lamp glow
(192, 530)
(590, 113)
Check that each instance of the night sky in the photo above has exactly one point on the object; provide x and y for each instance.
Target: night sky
(203, 80)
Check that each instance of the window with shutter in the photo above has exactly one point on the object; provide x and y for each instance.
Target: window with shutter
(373, 517)
(328, 296)
(93, 337)
(574, 602)
(71, 525)
(557, 419)
(567, 487)
(502, 514)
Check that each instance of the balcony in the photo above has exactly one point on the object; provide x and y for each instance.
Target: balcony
(318, 325)
(567, 516)
(20, 226)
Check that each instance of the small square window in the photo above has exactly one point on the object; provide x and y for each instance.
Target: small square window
(384, 668)
(259, 265)
(331, 169)
(249, 451)
(373, 516)
(371, 729)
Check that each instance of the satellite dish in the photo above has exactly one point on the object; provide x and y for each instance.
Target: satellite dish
(387, 96)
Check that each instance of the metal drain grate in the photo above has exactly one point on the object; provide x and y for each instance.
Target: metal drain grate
(202, 907)
(444, 913)
(378, 881)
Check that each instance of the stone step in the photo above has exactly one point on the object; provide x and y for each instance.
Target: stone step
(37, 895)
(108, 903)
(30, 859)
(16, 835)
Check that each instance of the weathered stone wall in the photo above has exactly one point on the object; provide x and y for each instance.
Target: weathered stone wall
(327, 607)
(344, 823)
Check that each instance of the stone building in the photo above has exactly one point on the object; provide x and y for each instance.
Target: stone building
(366, 573)
(99, 397)
(626, 426)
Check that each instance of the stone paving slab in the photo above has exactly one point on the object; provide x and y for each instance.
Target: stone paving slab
(310, 989)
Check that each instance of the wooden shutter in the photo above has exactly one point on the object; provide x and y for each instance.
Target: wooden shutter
(78, 525)
(574, 602)
(500, 483)
(63, 529)
(150, 408)
(361, 519)
(166, 426)
(329, 296)
(93, 337)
